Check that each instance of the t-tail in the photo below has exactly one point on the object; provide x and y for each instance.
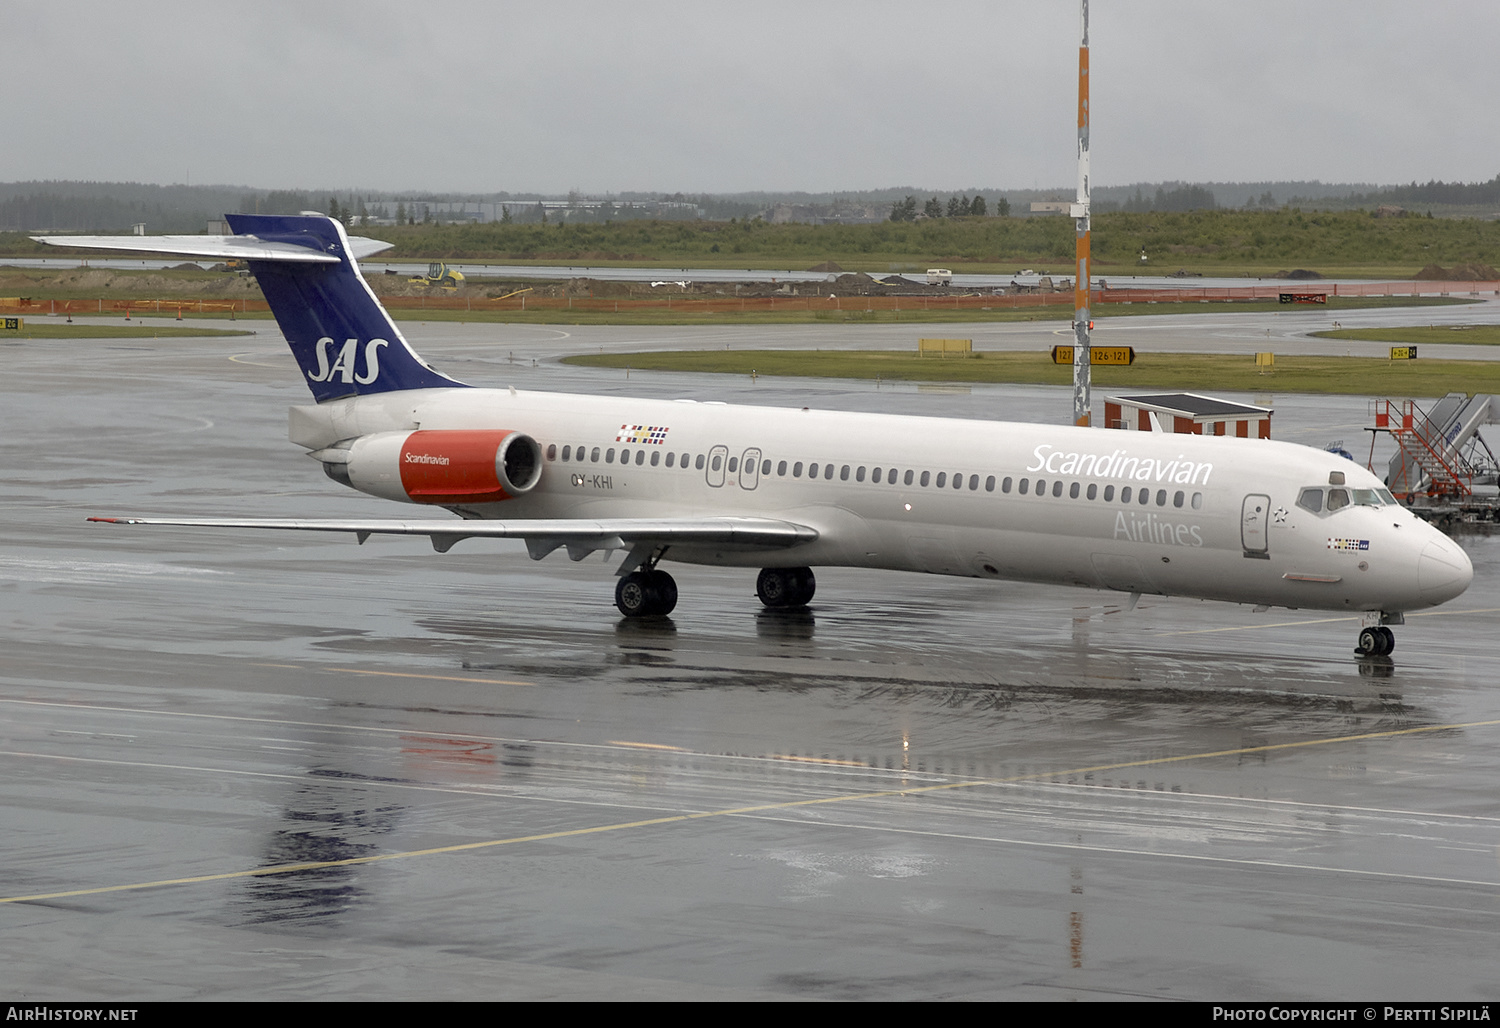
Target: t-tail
(343, 339)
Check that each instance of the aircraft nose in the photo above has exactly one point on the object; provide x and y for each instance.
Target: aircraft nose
(1443, 571)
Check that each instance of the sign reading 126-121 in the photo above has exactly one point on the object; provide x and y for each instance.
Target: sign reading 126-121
(1097, 355)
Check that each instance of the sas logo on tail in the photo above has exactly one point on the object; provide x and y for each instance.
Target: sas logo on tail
(343, 365)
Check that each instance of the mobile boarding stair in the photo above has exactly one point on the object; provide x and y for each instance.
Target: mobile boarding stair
(1440, 456)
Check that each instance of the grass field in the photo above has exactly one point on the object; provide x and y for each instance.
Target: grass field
(1196, 372)
(1479, 335)
(54, 330)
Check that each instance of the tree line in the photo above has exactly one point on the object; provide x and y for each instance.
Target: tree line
(957, 207)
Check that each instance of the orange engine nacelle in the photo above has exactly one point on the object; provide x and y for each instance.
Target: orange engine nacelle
(441, 466)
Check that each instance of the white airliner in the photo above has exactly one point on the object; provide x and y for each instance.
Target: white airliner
(1243, 520)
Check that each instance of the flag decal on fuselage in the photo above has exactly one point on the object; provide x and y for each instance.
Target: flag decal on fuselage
(649, 435)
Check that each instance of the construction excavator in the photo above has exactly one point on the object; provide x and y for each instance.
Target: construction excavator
(439, 276)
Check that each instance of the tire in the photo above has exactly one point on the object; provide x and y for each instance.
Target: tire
(775, 588)
(632, 596)
(661, 591)
(805, 585)
(1370, 642)
(1387, 641)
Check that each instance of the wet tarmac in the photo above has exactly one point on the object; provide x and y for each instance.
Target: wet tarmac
(237, 766)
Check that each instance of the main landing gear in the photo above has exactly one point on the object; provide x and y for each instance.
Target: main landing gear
(786, 587)
(644, 593)
(1377, 641)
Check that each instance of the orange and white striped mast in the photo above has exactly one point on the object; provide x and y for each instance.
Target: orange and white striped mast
(1080, 212)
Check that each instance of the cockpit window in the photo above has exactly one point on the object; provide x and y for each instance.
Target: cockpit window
(1369, 497)
(1338, 498)
(1311, 499)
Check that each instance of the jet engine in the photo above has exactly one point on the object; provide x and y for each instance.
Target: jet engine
(440, 466)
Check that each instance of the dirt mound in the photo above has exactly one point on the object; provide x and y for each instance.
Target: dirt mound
(1474, 273)
(1458, 273)
(826, 267)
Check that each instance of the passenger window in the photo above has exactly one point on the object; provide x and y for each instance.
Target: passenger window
(909, 476)
(698, 462)
(566, 451)
(1025, 484)
(1073, 491)
(655, 458)
(875, 476)
(974, 483)
(958, 480)
(1178, 497)
(1143, 496)
(827, 471)
(609, 455)
(765, 467)
(781, 469)
(714, 464)
(1041, 487)
(942, 479)
(734, 464)
(797, 470)
(1057, 488)
(595, 455)
(1125, 494)
(1093, 491)
(859, 474)
(671, 459)
(640, 456)
(552, 451)
(844, 473)
(1338, 498)
(926, 477)
(1109, 493)
(684, 460)
(1161, 497)
(1197, 501)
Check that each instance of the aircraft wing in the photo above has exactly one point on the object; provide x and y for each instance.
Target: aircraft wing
(581, 537)
(245, 247)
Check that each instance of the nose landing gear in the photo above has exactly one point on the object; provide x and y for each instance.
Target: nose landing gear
(1376, 641)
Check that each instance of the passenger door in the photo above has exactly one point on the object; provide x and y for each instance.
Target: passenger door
(750, 469)
(715, 470)
(1255, 514)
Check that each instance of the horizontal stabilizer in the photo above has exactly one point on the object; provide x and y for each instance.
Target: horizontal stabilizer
(244, 248)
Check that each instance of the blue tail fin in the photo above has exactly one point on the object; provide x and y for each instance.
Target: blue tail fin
(343, 339)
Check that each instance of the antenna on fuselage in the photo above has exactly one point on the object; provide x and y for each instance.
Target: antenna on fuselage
(1080, 213)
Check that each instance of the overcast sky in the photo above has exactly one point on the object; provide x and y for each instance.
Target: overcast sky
(706, 96)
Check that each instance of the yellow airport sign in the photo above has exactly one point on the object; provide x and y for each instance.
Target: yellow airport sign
(945, 346)
(12, 324)
(1403, 353)
(1097, 355)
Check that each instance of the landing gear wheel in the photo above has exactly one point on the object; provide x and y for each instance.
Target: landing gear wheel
(1377, 641)
(663, 589)
(646, 593)
(786, 587)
